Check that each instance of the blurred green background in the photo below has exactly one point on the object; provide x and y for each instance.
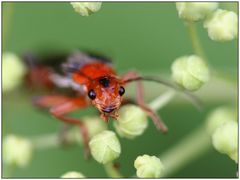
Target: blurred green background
(142, 36)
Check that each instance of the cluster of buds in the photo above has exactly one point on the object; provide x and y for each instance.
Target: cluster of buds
(148, 166)
(13, 71)
(72, 174)
(223, 127)
(105, 147)
(104, 144)
(86, 8)
(222, 25)
(195, 11)
(132, 122)
(17, 150)
(190, 72)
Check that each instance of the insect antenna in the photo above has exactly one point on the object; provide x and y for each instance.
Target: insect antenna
(192, 98)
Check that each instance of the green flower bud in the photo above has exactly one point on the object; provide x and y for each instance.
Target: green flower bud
(17, 150)
(94, 126)
(225, 138)
(105, 147)
(148, 166)
(132, 122)
(218, 116)
(86, 8)
(73, 174)
(190, 72)
(194, 11)
(234, 156)
(222, 25)
(13, 71)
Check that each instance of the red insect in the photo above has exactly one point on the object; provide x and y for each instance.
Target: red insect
(94, 82)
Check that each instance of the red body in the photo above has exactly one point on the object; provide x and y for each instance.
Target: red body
(83, 74)
(93, 81)
(92, 70)
(101, 78)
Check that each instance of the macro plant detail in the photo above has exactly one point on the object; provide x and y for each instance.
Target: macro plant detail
(86, 8)
(105, 147)
(222, 25)
(132, 122)
(148, 166)
(72, 174)
(11, 77)
(22, 156)
(191, 72)
(127, 124)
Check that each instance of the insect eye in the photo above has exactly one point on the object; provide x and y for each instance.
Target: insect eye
(121, 91)
(91, 94)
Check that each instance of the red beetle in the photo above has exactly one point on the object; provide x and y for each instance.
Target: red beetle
(94, 82)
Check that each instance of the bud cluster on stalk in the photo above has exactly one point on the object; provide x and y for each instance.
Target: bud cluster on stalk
(190, 72)
(221, 25)
(13, 71)
(86, 8)
(17, 150)
(222, 125)
(148, 166)
(72, 174)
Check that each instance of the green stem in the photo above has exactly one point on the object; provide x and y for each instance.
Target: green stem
(190, 148)
(200, 52)
(45, 141)
(112, 171)
(195, 40)
(226, 76)
(162, 100)
(52, 140)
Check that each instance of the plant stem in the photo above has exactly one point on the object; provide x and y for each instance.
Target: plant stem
(45, 141)
(190, 148)
(162, 100)
(52, 140)
(200, 52)
(112, 171)
(226, 76)
(195, 40)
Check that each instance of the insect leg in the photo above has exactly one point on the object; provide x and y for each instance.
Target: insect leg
(140, 101)
(60, 106)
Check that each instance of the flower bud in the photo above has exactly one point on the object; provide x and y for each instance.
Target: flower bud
(132, 122)
(218, 116)
(222, 25)
(234, 156)
(17, 150)
(148, 166)
(72, 174)
(225, 138)
(190, 72)
(13, 71)
(105, 147)
(194, 11)
(94, 126)
(86, 8)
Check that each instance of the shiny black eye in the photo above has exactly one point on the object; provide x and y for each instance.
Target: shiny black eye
(91, 94)
(121, 91)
